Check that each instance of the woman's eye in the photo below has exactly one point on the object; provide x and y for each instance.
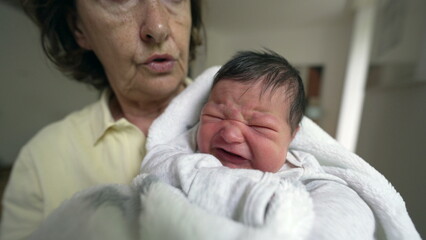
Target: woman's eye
(121, 1)
(120, 5)
(175, 1)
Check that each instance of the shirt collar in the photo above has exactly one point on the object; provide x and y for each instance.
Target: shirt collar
(101, 119)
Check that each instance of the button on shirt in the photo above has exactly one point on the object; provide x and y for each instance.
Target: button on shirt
(85, 149)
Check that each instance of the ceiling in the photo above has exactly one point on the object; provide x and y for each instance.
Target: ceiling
(244, 14)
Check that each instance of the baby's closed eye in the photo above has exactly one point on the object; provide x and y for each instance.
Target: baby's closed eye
(263, 128)
(210, 117)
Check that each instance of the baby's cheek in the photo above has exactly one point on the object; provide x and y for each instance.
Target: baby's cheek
(203, 140)
(271, 157)
(200, 146)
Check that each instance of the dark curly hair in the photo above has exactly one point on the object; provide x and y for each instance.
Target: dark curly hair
(274, 71)
(61, 48)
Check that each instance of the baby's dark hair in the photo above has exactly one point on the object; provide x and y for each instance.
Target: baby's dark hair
(274, 71)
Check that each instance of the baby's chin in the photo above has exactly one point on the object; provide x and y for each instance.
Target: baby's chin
(236, 166)
(248, 165)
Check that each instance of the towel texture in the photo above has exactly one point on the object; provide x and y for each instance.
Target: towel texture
(386, 203)
(151, 209)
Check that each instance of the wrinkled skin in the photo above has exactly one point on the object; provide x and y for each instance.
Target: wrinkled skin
(143, 46)
(244, 127)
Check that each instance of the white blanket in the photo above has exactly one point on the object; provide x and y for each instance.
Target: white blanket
(387, 204)
(277, 203)
(153, 210)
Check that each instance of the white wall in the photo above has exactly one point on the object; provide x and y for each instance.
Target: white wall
(325, 45)
(32, 93)
(393, 139)
(393, 127)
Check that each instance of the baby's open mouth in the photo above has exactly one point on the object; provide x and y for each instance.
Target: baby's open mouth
(230, 153)
(229, 157)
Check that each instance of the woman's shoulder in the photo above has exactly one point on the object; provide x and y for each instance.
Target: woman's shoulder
(71, 126)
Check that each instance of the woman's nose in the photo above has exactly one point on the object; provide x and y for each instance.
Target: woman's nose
(155, 25)
(232, 134)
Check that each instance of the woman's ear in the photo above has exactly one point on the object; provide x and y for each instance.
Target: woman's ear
(76, 28)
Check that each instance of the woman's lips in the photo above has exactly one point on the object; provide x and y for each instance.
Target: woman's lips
(229, 157)
(163, 63)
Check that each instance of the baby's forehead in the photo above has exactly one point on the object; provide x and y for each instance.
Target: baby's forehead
(250, 99)
(264, 89)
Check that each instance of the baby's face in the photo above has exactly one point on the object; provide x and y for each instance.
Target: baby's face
(245, 128)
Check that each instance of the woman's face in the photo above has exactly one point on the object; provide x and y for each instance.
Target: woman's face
(143, 45)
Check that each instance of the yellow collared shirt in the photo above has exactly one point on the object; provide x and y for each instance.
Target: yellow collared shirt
(85, 149)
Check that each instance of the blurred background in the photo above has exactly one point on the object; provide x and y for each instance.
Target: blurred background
(363, 63)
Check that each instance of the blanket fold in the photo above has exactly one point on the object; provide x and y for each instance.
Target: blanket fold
(269, 207)
(387, 204)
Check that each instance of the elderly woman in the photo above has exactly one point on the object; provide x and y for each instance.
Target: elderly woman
(137, 53)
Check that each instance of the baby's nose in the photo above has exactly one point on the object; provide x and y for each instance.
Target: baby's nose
(231, 133)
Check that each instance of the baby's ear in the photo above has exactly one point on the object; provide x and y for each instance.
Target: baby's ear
(293, 135)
